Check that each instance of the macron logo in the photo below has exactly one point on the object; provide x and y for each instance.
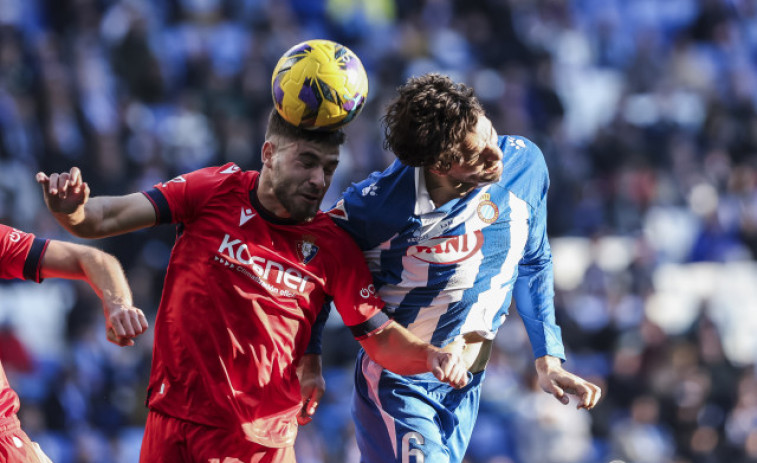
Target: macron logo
(231, 169)
(245, 217)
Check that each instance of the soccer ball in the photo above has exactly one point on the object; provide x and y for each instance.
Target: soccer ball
(319, 85)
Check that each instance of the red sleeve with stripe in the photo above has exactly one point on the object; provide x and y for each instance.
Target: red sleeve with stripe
(179, 199)
(20, 255)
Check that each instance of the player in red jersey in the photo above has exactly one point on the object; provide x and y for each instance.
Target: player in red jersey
(23, 256)
(253, 262)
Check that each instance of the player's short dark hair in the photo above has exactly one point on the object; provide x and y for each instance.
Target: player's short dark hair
(278, 126)
(426, 124)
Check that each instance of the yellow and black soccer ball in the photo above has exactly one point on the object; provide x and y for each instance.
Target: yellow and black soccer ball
(319, 85)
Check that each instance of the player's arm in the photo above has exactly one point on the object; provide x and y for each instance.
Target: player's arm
(104, 274)
(67, 197)
(534, 298)
(310, 369)
(397, 349)
(312, 386)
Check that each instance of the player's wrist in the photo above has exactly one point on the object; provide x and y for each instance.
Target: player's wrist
(547, 363)
(433, 357)
(115, 299)
(311, 363)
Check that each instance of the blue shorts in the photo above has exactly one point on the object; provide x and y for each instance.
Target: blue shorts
(411, 419)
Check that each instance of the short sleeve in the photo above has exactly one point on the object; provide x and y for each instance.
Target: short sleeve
(20, 255)
(181, 198)
(354, 293)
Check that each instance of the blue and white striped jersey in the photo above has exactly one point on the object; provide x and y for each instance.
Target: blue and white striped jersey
(447, 271)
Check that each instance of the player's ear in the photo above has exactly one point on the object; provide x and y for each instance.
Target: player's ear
(266, 153)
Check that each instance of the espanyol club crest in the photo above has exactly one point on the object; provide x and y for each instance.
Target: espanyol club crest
(487, 210)
(306, 249)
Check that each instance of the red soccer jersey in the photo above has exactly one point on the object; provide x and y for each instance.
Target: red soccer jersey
(20, 257)
(241, 293)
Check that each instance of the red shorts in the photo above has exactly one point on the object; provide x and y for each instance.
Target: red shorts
(15, 445)
(178, 441)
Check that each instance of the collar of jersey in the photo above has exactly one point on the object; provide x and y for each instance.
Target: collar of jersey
(423, 203)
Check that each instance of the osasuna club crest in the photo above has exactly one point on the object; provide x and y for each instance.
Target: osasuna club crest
(306, 249)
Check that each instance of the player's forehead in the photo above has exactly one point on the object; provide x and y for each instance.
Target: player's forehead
(298, 148)
(481, 134)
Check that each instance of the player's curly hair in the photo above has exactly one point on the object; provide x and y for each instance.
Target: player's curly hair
(277, 126)
(426, 124)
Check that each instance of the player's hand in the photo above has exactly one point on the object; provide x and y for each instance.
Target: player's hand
(312, 386)
(123, 323)
(555, 380)
(448, 367)
(64, 193)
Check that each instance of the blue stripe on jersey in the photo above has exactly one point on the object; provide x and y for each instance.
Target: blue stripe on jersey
(453, 270)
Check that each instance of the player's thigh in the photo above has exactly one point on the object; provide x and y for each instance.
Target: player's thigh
(16, 447)
(394, 423)
(216, 445)
(164, 440)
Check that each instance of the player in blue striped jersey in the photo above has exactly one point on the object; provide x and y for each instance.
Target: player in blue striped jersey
(452, 231)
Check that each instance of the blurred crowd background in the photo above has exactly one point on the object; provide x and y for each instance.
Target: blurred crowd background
(644, 109)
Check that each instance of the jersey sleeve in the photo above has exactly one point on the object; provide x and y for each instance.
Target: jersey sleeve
(534, 288)
(375, 209)
(353, 293)
(315, 345)
(20, 255)
(181, 198)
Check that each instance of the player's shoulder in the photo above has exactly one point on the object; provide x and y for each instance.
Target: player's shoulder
(382, 193)
(225, 172)
(524, 170)
(217, 178)
(323, 227)
(519, 147)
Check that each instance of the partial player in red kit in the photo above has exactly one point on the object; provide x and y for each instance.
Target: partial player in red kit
(25, 257)
(253, 264)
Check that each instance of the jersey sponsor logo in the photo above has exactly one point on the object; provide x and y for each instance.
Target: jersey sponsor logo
(245, 216)
(274, 276)
(448, 249)
(428, 226)
(306, 249)
(339, 211)
(231, 169)
(365, 293)
(487, 211)
(15, 235)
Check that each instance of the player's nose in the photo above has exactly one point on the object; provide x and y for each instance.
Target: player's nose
(492, 154)
(318, 178)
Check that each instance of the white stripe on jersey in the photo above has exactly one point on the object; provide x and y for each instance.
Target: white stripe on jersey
(415, 272)
(481, 316)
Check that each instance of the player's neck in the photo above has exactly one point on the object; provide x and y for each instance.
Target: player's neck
(442, 188)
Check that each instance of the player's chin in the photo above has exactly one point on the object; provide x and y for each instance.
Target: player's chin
(492, 175)
(305, 211)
